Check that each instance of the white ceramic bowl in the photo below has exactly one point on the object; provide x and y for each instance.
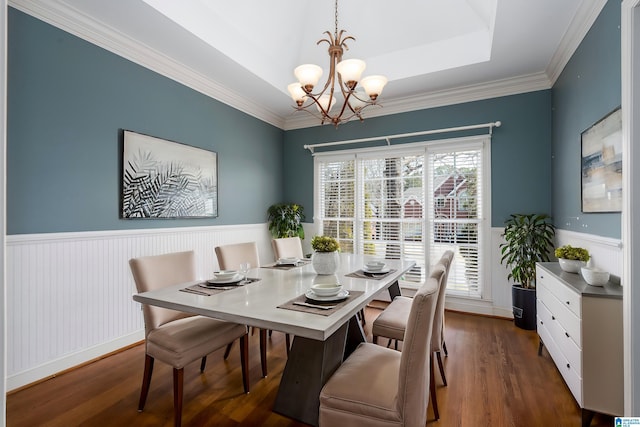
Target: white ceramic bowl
(288, 260)
(375, 265)
(326, 289)
(571, 265)
(595, 276)
(225, 274)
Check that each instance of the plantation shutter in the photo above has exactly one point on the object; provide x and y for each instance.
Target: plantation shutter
(411, 202)
(456, 215)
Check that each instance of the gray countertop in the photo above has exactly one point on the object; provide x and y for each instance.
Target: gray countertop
(575, 282)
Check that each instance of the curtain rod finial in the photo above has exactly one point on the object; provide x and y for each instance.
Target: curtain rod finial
(498, 123)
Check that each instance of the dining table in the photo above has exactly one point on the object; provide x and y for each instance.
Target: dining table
(274, 298)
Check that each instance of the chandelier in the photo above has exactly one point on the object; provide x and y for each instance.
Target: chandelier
(344, 76)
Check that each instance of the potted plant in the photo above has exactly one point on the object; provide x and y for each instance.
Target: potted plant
(325, 259)
(572, 259)
(528, 239)
(285, 220)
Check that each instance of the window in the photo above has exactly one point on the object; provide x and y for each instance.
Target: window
(411, 201)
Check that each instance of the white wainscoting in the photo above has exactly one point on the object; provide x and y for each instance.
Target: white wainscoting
(69, 294)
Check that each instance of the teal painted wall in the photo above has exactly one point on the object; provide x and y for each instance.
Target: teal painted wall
(587, 90)
(520, 148)
(67, 99)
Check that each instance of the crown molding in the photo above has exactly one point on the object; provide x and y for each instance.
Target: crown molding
(495, 89)
(580, 24)
(69, 19)
(87, 28)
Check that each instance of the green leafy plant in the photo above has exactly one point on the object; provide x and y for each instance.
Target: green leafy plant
(324, 244)
(528, 239)
(285, 220)
(569, 252)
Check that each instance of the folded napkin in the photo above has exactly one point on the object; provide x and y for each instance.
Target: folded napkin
(366, 275)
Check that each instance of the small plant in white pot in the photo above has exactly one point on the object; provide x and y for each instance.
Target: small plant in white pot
(572, 259)
(325, 259)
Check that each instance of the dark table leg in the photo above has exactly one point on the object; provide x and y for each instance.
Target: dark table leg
(394, 290)
(310, 364)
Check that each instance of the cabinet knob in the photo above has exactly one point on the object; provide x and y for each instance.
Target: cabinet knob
(541, 322)
(568, 366)
(568, 302)
(566, 334)
(553, 317)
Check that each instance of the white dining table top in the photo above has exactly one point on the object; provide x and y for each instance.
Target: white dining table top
(255, 304)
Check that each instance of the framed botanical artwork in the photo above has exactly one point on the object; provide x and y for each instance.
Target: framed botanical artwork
(602, 165)
(165, 179)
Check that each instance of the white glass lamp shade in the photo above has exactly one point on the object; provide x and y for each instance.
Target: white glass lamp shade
(324, 102)
(350, 70)
(297, 93)
(356, 100)
(308, 75)
(373, 85)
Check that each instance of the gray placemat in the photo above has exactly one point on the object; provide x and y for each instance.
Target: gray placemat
(375, 276)
(277, 266)
(289, 305)
(202, 289)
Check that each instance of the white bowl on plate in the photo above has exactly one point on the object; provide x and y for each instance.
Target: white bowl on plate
(595, 276)
(225, 274)
(375, 265)
(326, 289)
(288, 260)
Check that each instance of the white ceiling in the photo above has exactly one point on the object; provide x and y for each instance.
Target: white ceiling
(434, 52)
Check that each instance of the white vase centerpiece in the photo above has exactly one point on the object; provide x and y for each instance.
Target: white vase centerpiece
(325, 259)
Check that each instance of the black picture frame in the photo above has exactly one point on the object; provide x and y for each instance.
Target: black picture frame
(601, 165)
(166, 179)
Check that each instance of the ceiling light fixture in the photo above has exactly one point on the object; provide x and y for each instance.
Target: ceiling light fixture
(345, 74)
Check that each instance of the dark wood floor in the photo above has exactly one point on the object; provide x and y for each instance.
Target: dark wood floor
(495, 379)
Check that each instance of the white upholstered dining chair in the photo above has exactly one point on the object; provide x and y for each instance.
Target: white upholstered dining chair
(178, 338)
(391, 324)
(287, 247)
(377, 386)
(229, 258)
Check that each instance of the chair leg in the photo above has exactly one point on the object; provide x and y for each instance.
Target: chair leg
(444, 347)
(228, 350)
(432, 388)
(203, 364)
(244, 361)
(441, 366)
(361, 315)
(287, 339)
(263, 351)
(375, 339)
(396, 345)
(178, 378)
(146, 381)
(270, 333)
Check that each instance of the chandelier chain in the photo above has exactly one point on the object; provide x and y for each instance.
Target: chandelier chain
(335, 32)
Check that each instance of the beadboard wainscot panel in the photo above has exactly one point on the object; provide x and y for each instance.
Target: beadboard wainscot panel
(606, 253)
(69, 294)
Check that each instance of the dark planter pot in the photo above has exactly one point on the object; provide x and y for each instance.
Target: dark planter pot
(524, 307)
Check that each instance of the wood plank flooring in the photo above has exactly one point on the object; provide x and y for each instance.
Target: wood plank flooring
(494, 373)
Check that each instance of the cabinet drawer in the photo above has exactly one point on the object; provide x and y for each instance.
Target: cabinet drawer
(561, 314)
(561, 337)
(570, 376)
(568, 298)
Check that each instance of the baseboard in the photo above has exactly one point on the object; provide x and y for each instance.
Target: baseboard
(55, 367)
(474, 306)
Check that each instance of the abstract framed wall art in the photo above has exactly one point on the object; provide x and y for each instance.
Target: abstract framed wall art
(165, 179)
(602, 165)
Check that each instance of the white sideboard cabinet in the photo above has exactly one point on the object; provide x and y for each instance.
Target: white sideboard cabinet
(581, 328)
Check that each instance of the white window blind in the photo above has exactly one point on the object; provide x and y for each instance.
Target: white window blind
(411, 202)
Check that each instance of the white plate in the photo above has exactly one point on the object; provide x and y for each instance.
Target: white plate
(341, 295)
(382, 271)
(287, 261)
(234, 279)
